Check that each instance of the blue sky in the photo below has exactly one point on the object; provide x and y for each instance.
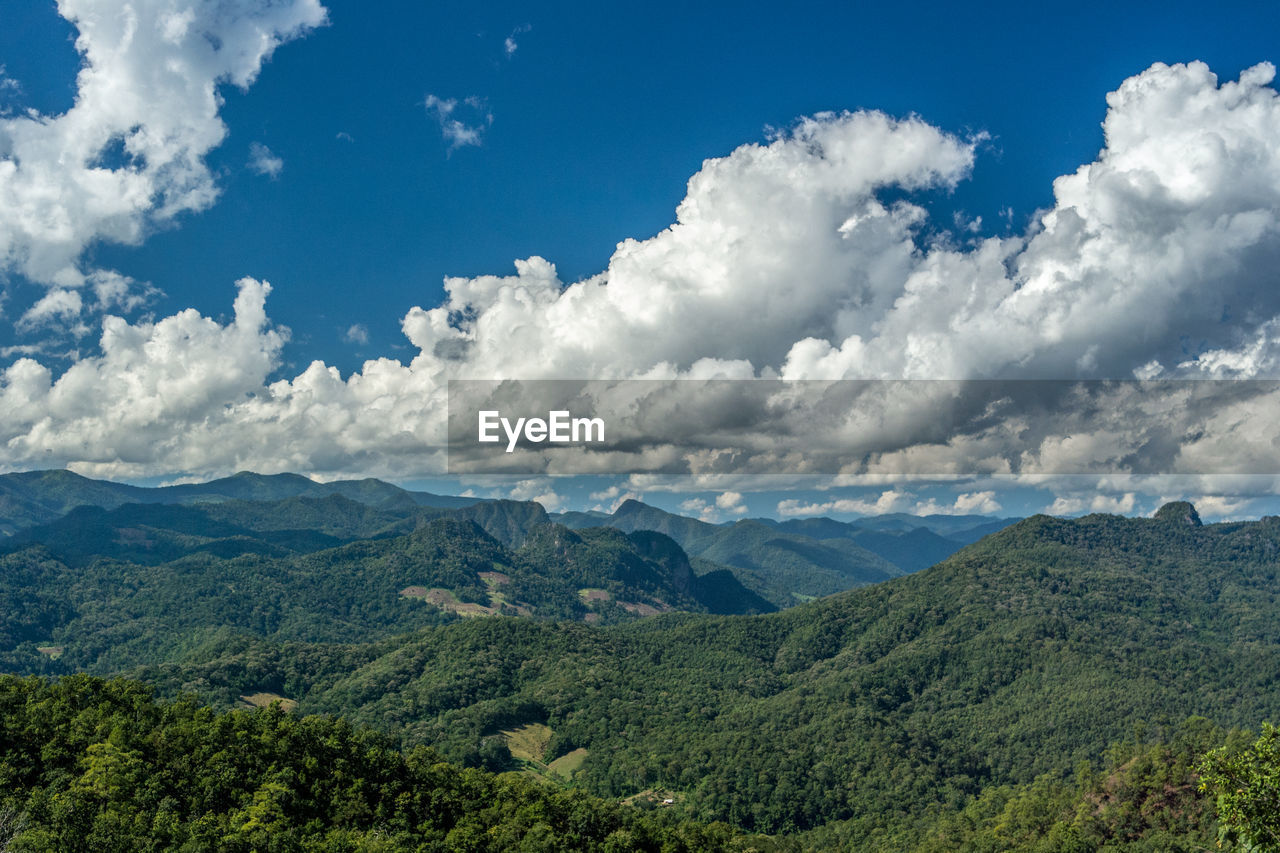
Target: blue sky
(600, 117)
(591, 119)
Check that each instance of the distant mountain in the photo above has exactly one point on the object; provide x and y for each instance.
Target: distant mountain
(784, 561)
(910, 542)
(962, 528)
(776, 560)
(633, 515)
(157, 533)
(37, 497)
(114, 587)
(507, 521)
(911, 550)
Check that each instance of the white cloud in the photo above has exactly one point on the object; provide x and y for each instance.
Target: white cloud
(785, 259)
(891, 501)
(701, 509)
(358, 333)
(608, 500)
(1113, 504)
(725, 504)
(455, 131)
(977, 503)
(731, 502)
(9, 87)
(169, 396)
(1219, 508)
(59, 304)
(539, 490)
(606, 494)
(509, 45)
(263, 162)
(129, 155)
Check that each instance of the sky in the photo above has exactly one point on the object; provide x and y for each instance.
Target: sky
(263, 235)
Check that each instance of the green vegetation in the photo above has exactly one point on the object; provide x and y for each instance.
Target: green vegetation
(801, 559)
(113, 589)
(88, 765)
(1246, 782)
(37, 497)
(781, 567)
(1046, 688)
(871, 711)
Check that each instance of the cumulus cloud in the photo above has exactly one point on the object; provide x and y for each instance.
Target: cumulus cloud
(539, 490)
(890, 500)
(723, 505)
(730, 502)
(129, 155)
(357, 333)
(454, 130)
(800, 257)
(263, 162)
(1113, 504)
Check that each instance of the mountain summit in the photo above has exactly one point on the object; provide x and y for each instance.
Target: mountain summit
(1179, 512)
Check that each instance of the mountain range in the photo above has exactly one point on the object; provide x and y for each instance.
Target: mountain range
(783, 562)
(1051, 686)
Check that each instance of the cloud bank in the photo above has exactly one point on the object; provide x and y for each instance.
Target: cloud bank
(801, 257)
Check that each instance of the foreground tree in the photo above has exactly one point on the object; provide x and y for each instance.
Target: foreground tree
(1246, 783)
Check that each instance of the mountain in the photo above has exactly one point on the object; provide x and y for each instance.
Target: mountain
(507, 521)
(910, 550)
(157, 533)
(38, 497)
(111, 588)
(783, 567)
(907, 540)
(966, 529)
(860, 718)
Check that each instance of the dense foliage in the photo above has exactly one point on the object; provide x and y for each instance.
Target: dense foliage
(88, 765)
(111, 589)
(960, 708)
(1246, 783)
(1018, 659)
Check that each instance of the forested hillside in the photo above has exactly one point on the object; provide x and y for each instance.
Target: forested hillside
(800, 559)
(104, 590)
(863, 713)
(36, 497)
(100, 767)
(1032, 691)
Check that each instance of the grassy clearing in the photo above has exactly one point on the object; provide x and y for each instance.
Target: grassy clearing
(528, 742)
(568, 764)
(264, 700)
(446, 600)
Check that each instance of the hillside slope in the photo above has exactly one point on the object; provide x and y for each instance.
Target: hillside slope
(105, 589)
(1022, 655)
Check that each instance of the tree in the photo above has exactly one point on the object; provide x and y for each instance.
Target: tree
(1246, 784)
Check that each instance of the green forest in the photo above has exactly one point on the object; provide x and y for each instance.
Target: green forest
(1102, 683)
